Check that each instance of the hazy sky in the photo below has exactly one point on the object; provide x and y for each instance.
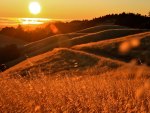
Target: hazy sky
(73, 9)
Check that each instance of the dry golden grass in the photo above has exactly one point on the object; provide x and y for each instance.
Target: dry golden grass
(111, 92)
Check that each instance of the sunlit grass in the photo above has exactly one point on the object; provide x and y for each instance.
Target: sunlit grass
(113, 91)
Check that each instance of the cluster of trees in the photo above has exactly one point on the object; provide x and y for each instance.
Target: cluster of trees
(25, 35)
(9, 53)
(124, 19)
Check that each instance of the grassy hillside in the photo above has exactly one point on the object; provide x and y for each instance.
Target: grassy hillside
(104, 35)
(101, 28)
(75, 39)
(53, 41)
(68, 40)
(134, 47)
(61, 60)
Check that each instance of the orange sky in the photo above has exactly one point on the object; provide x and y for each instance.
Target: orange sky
(73, 9)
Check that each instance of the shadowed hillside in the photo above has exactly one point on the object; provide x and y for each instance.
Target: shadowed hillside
(104, 35)
(53, 41)
(124, 48)
(61, 60)
(6, 40)
(75, 39)
(10, 48)
(56, 61)
(101, 28)
(68, 40)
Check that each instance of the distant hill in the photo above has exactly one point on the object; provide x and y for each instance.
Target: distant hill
(6, 40)
(111, 48)
(68, 40)
(10, 48)
(52, 42)
(101, 28)
(104, 35)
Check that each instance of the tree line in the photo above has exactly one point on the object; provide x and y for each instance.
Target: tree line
(124, 19)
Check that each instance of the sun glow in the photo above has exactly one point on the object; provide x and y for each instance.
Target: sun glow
(33, 21)
(35, 8)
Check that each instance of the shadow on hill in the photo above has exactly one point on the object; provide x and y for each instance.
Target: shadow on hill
(104, 35)
(101, 28)
(68, 40)
(56, 61)
(52, 42)
(9, 53)
(110, 48)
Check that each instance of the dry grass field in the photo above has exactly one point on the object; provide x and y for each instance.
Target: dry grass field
(125, 89)
(86, 78)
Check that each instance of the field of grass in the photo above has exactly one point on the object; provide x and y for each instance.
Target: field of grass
(121, 90)
(86, 78)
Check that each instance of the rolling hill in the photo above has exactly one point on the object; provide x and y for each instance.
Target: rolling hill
(62, 59)
(101, 28)
(72, 39)
(111, 48)
(50, 41)
(104, 35)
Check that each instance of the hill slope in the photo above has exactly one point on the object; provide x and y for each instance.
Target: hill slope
(61, 60)
(111, 48)
(101, 28)
(66, 41)
(104, 35)
(50, 41)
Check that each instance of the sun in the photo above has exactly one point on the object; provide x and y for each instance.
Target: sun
(35, 8)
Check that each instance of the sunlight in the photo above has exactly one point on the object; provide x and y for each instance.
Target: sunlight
(35, 8)
(33, 21)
